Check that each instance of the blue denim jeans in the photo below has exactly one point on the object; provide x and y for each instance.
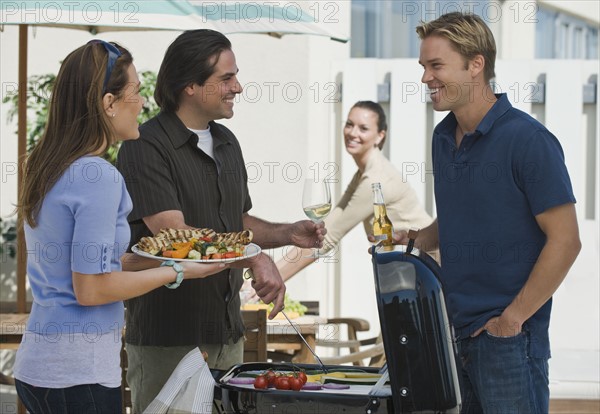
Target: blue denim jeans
(498, 376)
(81, 399)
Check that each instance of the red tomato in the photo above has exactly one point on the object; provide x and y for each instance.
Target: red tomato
(271, 377)
(282, 383)
(295, 384)
(261, 382)
(216, 256)
(302, 377)
(229, 255)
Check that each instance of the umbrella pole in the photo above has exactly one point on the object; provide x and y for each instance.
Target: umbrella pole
(21, 150)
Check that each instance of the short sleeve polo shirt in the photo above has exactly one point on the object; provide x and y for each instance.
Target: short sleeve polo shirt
(488, 192)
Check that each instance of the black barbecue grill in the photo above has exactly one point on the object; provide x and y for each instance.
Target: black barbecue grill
(418, 346)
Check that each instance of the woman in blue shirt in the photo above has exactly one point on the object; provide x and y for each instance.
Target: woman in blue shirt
(75, 206)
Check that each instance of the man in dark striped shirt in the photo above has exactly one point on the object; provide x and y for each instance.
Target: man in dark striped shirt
(188, 171)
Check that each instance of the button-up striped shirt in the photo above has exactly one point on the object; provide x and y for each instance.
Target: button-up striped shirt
(165, 170)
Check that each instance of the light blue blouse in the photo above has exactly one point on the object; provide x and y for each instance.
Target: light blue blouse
(82, 227)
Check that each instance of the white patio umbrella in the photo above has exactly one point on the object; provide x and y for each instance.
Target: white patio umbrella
(235, 16)
(226, 16)
(126, 15)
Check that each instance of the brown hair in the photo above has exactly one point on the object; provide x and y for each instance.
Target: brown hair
(469, 35)
(381, 118)
(77, 123)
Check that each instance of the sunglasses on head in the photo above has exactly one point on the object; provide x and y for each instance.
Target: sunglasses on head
(113, 55)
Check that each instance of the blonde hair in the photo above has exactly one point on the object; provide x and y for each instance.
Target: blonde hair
(469, 35)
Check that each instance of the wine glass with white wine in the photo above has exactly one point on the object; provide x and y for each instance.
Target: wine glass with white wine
(316, 201)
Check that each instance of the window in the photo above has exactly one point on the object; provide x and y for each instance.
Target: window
(386, 28)
(562, 36)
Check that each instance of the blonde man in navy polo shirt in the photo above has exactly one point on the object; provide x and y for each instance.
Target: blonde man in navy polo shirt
(506, 226)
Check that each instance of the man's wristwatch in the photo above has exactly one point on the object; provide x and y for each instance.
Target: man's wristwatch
(178, 269)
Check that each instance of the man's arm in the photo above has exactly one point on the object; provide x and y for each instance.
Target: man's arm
(172, 219)
(302, 233)
(559, 224)
(266, 281)
(427, 240)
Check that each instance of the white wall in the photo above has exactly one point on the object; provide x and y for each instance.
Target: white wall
(514, 29)
(282, 138)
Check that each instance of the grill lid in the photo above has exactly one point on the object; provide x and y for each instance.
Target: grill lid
(416, 332)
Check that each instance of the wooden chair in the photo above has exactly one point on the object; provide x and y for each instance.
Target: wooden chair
(255, 344)
(312, 307)
(285, 351)
(358, 349)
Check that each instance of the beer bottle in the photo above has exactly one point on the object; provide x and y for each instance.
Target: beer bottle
(382, 225)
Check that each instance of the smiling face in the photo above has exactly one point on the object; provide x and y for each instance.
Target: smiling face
(214, 99)
(127, 107)
(448, 76)
(360, 132)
